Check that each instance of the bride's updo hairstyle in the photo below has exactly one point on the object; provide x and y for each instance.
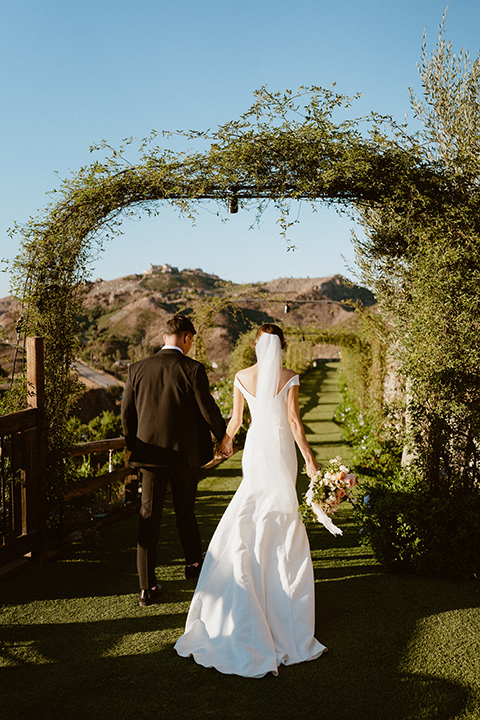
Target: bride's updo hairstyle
(272, 330)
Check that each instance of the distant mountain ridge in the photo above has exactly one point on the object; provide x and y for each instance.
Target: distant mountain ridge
(125, 318)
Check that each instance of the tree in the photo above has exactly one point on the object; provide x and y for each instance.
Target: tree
(430, 291)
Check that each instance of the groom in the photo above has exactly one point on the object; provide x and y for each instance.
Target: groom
(168, 415)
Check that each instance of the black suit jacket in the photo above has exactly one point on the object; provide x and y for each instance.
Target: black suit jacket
(168, 413)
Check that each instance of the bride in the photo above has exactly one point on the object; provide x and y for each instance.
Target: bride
(253, 607)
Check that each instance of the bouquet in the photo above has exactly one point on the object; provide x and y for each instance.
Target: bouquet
(329, 487)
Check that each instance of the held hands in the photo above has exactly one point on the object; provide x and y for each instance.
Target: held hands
(225, 448)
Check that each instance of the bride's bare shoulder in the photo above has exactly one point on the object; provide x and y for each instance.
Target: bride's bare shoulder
(248, 372)
(287, 374)
(248, 377)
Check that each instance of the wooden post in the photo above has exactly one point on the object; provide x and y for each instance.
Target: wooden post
(36, 399)
(35, 373)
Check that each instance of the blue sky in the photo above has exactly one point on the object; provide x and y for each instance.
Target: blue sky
(73, 73)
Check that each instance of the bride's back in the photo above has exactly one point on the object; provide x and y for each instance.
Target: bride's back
(248, 378)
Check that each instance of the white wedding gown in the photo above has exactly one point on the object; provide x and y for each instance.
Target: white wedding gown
(253, 608)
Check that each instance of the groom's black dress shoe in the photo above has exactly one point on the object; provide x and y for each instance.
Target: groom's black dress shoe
(193, 571)
(149, 597)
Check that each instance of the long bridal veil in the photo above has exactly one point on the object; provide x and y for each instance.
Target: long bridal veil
(266, 468)
(269, 357)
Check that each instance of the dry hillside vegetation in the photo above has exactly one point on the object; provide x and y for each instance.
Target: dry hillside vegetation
(124, 319)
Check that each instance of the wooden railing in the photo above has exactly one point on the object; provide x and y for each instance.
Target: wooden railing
(23, 468)
(23, 458)
(87, 485)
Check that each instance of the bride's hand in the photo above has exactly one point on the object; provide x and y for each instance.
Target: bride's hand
(225, 448)
(311, 466)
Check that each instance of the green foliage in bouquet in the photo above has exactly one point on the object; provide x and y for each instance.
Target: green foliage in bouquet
(328, 489)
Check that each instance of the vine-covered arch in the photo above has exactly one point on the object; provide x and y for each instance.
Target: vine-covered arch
(279, 150)
(285, 147)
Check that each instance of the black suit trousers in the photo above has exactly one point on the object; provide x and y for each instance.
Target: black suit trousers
(183, 482)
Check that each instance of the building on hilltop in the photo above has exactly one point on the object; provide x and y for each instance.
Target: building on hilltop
(169, 269)
(199, 272)
(194, 271)
(160, 269)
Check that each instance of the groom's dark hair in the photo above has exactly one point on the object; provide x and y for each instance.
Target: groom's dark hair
(178, 324)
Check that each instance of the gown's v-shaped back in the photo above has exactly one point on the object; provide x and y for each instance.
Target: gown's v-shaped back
(247, 394)
(253, 608)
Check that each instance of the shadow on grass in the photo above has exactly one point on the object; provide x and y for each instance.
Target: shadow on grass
(323, 443)
(91, 652)
(126, 667)
(311, 387)
(226, 472)
(160, 685)
(368, 618)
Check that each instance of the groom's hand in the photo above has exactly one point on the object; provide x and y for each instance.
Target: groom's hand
(225, 448)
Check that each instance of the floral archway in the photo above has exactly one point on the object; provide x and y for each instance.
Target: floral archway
(422, 235)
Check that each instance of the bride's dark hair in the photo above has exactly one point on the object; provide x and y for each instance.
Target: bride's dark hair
(272, 330)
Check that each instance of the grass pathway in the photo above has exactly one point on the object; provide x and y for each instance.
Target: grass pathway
(73, 642)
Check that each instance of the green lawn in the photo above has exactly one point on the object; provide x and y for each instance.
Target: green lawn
(74, 643)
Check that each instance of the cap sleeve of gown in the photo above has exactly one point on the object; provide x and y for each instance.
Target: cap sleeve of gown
(295, 380)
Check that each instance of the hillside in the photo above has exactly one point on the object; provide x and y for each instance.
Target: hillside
(124, 319)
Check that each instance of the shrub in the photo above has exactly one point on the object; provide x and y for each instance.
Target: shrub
(408, 529)
(376, 446)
